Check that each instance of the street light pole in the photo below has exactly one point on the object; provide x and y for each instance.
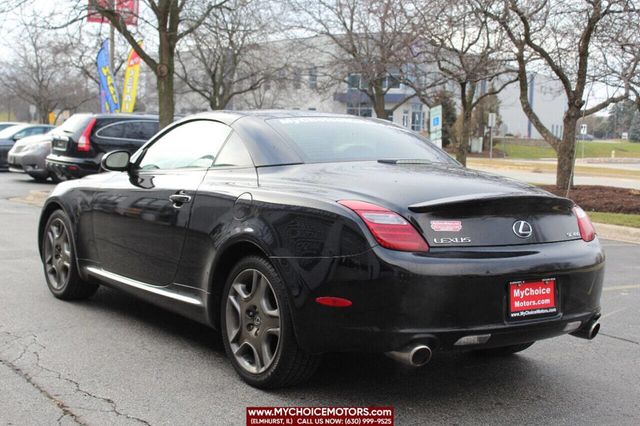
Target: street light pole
(491, 122)
(490, 142)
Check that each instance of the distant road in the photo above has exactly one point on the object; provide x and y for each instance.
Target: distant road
(543, 172)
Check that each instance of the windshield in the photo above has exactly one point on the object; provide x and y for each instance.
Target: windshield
(10, 131)
(330, 139)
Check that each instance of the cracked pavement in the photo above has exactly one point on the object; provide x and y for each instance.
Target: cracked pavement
(116, 360)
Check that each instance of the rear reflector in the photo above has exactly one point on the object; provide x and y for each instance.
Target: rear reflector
(391, 230)
(334, 302)
(84, 143)
(587, 231)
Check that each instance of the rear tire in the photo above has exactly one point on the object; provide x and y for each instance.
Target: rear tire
(257, 329)
(55, 178)
(59, 260)
(503, 350)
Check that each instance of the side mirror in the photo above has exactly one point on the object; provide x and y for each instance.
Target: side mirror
(18, 137)
(116, 161)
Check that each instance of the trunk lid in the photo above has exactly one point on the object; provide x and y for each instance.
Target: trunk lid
(451, 206)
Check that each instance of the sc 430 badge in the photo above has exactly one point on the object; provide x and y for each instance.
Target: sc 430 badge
(452, 240)
(446, 225)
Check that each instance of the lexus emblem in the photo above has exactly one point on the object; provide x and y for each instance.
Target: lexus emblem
(522, 229)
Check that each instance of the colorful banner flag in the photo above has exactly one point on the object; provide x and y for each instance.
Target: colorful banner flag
(127, 9)
(131, 75)
(107, 84)
(92, 10)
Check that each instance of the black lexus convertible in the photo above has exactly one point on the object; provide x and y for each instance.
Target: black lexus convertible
(299, 233)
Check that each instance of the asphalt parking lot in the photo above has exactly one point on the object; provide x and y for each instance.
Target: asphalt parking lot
(117, 360)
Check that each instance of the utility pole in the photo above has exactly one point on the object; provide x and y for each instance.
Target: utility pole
(112, 44)
(491, 122)
(112, 47)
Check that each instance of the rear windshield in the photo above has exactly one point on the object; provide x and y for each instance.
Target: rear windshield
(74, 123)
(329, 139)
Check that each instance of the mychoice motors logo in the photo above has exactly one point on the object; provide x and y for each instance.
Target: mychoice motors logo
(522, 229)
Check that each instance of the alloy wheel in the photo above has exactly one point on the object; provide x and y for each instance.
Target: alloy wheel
(57, 254)
(253, 321)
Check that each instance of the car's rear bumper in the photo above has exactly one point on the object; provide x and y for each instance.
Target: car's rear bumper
(71, 167)
(403, 298)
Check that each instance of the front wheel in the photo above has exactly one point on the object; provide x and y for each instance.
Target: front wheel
(59, 260)
(257, 328)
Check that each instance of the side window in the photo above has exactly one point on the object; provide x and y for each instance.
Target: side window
(193, 144)
(141, 130)
(233, 153)
(113, 130)
(21, 134)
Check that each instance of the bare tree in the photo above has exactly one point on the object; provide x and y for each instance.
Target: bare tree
(582, 44)
(38, 72)
(225, 56)
(367, 40)
(172, 20)
(458, 45)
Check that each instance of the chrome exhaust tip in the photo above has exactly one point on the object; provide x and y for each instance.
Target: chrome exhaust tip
(412, 355)
(588, 331)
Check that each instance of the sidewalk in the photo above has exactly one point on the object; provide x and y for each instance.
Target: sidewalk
(543, 172)
(618, 233)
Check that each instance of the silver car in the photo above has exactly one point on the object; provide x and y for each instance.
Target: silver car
(28, 156)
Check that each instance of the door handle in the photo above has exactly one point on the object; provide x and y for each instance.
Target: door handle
(179, 198)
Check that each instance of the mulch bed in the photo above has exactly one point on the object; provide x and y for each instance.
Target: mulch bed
(607, 199)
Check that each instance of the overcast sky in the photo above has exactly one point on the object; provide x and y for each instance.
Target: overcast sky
(63, 8)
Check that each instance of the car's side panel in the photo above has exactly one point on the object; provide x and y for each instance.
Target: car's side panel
(231, 208)
(139, 230)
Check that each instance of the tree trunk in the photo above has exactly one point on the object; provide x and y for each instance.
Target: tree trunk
(378, 100)
(43, 114)
(566, 153)
(462, 146)
(165, 75)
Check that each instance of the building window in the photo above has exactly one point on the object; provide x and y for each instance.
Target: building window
(312, 109)
(417, 118)
(353, 81)
(405, 118)
(362, 109)
(313, 78)
(297, 78)
(391, 82)
(282, 78)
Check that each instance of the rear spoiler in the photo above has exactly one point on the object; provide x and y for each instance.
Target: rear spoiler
(488, 196)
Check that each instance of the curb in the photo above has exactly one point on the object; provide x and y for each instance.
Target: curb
(618, 233)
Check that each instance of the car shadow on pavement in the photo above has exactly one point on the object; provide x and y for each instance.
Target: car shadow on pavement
(360, 379)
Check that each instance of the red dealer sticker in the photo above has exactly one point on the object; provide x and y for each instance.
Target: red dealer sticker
(532, 298)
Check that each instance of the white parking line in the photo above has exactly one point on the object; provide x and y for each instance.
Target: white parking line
(621, 287)
(612, 313)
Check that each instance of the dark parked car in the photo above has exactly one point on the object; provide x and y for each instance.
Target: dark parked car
(298, 233)
(11, 134)
(28, 155)
(79, 144)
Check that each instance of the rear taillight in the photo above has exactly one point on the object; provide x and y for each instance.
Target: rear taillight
(84, 143)
(587, 231)
(388, 228)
